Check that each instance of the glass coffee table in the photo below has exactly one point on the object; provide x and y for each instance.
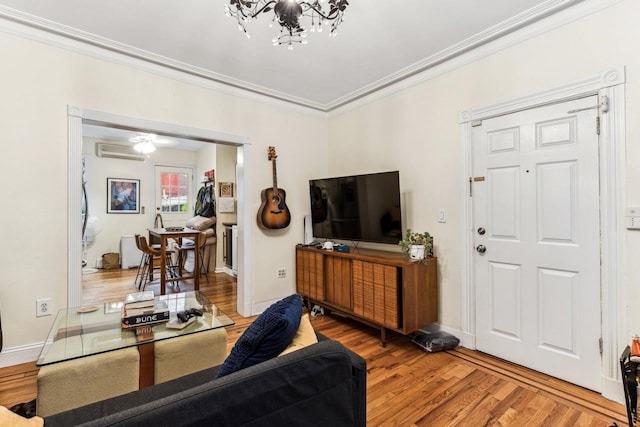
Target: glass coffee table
(85, 331)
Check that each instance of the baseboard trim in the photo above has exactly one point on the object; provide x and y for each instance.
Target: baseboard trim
(612, 390)
(17, 355)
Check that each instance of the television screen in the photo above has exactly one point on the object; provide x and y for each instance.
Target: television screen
(358, 207)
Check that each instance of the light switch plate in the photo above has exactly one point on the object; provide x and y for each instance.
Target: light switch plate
(442, 215)
(632, 220)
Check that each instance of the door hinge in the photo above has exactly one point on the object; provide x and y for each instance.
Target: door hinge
(604, 104)
(600, 346)
(598, 125)
(476, 123)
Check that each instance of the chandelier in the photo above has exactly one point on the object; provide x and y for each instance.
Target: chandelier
(288, 13)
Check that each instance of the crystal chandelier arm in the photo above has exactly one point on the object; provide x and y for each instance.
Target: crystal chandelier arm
(252, 12)
(337, 7)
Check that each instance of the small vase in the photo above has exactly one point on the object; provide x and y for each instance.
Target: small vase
(416, 252)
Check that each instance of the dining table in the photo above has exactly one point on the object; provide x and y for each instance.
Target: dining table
(177, 234)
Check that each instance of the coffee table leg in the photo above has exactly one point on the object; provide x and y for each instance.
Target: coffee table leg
(147, 365)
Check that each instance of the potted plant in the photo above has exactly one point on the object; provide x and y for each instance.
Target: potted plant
(417, 246)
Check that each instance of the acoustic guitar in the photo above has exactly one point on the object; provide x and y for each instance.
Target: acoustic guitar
(274, 213)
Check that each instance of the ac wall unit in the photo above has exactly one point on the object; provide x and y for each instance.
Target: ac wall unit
(118, 152)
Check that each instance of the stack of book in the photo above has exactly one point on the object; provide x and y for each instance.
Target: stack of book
(141, 308)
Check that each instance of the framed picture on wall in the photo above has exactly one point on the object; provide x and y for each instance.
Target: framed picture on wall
(123, 196)
(226, 189)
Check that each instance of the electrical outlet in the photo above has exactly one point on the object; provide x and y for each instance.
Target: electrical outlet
(43, 307)
(281, 273)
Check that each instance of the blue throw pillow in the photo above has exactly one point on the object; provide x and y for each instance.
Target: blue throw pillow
(266, 337)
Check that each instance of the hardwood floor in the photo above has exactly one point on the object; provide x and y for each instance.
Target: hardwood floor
(405, 385)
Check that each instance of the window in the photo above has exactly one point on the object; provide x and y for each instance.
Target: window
(175, 192)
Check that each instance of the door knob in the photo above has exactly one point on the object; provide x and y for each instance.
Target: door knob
(481, 231)
(481, 249)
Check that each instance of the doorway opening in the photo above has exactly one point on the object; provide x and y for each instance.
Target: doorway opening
(77, 117)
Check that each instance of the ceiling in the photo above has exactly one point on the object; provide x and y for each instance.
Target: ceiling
(123, 136)
(379, 43)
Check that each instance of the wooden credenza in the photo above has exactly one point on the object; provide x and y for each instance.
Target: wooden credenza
(381, 289)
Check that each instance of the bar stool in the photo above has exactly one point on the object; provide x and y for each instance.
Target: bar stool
(184, 248)
(142, 265)
(149, 255)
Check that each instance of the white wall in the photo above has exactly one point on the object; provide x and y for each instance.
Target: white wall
(40, 81)
(416, 131)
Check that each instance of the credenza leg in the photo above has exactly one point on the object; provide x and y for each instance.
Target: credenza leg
(383, 336)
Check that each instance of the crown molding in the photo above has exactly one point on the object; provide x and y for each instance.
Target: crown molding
(33, 28)
(548, 15)
(500, 30)
(458, 57)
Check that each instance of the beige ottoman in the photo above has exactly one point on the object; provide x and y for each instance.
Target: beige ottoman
(210, 254)
(191, 353)
(74, 383)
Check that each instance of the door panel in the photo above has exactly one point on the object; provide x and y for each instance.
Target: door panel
(537, 283)
(505, 289)
(558, 309)
(557, 202)
(504, 203)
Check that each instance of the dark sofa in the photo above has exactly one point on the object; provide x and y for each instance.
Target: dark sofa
(320, 385)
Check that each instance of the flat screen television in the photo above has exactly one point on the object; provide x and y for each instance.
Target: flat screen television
(357, 207)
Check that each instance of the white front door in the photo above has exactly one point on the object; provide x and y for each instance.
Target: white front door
(537, 238)
(174, 195)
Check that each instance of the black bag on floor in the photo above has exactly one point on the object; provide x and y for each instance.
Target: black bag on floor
(436, 341)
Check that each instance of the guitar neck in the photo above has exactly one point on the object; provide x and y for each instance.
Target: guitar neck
(275, 179)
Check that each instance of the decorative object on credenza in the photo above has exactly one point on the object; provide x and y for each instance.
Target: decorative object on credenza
(226, 189)
(417, 246)
(123, 195)
(274, 213)
(289, 15)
